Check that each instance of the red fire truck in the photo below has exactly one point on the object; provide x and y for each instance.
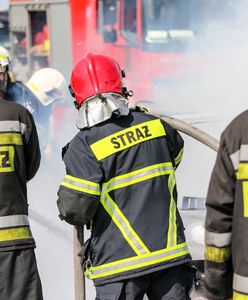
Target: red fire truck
(157, 42)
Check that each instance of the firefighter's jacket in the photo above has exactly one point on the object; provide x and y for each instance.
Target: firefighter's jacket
(121, 178)
(19, 162)
(227, 216)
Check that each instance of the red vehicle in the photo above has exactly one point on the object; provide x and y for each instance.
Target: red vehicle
(154, 41)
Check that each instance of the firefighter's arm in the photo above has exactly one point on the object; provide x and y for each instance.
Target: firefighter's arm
(31, 147)
(175, 144)
(79, 192)
(219, 203)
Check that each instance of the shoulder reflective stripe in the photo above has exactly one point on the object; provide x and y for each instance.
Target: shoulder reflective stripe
(138, 176)
(127, 138)
(218, 239)
(11, 138)
(14, 220)
(81, 185)
(172, 230)
(14, 126)
(218, 255)
(122, 223)
(240, 283)
(238, 296)
(239, 156)
(179, 157)
(15, 234)
(242, 172)
(132, 263)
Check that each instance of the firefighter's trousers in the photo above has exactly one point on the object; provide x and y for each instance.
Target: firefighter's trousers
(19, 277)
(169, 284)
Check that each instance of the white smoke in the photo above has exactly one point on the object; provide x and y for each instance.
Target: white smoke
(222, 91)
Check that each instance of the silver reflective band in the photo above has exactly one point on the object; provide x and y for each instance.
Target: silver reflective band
(218, 239)
(240, 283)
(172, 239)
(12, 126)
(148, 259)
(13, 221)
(239, 155)
(81, 184)
(129, 179)
(124, 226)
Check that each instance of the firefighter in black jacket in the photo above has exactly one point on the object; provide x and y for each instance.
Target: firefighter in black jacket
(121, 182)
(226, 266)
(19, 162)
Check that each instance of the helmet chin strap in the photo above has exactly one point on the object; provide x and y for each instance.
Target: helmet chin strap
(101, 108)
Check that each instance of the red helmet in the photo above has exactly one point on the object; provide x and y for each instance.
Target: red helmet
(96, 74)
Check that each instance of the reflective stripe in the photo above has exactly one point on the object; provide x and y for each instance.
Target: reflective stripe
(218, 255)
(10, 138)
(138, 176)
(122, 223)
(115, 213)
(240, 283)
(127, 138)
(242, 172)
(14, 126)
(239, 155)
(15, 234)
(172, 230)
(238, 296)
(14, 220)
(245, 198)
(218, 239)
(179, 157)
(132, 263)
(81, 185)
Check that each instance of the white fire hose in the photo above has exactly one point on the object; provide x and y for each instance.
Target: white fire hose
(191, 130)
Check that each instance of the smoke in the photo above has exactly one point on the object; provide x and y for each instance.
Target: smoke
(209, 77)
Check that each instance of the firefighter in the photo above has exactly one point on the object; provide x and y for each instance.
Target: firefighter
(226, 266)
(19, 162)
(38, 94)
(120, 181)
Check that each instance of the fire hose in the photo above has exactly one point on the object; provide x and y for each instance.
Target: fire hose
(177, 124)
(192, 131)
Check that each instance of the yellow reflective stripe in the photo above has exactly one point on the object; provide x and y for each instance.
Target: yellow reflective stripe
(242, 172)
(7, 154)
(136, 262)
(172, 230)
(127, 138)
(11, 138)
(138, 176)
(245, 198)
(15, 234)
(179, 157)
(123, 224)
(238, 296)
(132, 178)
(218, 255)
(81, 185)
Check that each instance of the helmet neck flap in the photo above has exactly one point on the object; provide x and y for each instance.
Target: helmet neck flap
(100, 108)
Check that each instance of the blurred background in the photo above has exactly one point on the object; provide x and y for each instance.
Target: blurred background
(186, 59)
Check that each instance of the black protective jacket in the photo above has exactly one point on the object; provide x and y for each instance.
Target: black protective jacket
(226, 267)
(121, 179)
(19, 162)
